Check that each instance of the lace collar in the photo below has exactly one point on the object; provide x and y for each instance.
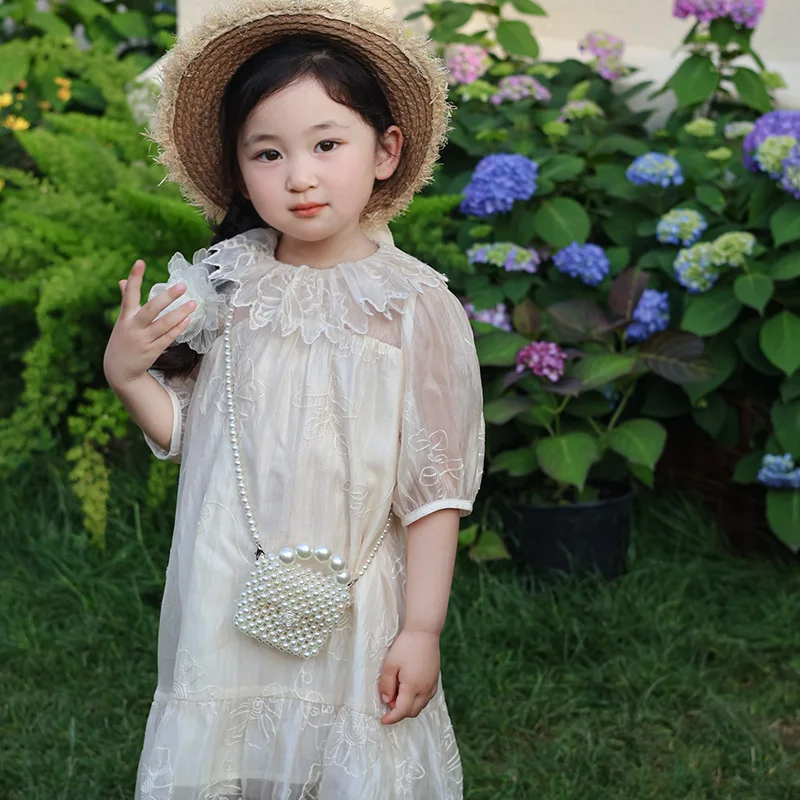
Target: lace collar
(285, 297)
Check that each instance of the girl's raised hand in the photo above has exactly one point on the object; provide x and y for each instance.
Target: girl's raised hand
(137, 339)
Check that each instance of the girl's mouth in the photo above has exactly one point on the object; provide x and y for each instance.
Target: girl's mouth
(307, 209)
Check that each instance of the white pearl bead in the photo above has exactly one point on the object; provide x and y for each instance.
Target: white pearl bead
(322, 553)
(337, 564)
(286, 555)
(304, 551)
(343, 578)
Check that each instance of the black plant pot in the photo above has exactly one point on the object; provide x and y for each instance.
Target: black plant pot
(580, 539)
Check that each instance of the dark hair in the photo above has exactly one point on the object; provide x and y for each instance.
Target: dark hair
(346, 78)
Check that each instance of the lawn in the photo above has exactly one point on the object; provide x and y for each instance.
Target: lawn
(679, 682)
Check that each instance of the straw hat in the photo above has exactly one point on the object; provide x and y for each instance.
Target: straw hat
(197, 70)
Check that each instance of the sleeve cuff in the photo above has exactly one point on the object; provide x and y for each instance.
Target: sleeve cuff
(464, 506)
(174, 453)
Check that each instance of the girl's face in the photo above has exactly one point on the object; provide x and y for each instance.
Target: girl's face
(309, 164)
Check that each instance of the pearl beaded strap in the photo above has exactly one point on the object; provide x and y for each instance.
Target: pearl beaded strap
(288, 554)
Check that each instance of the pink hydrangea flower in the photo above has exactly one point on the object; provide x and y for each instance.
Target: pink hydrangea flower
(543, 359)
(520, 87)
(467, 63)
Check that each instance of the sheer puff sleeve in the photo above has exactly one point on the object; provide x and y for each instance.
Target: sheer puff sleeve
(442, 439)
(180, 391)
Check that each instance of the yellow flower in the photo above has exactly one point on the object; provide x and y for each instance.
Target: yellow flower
(45, 105)
(20, 96)
(64, 94)
(6, 100)
(16, 123)
(64, 83)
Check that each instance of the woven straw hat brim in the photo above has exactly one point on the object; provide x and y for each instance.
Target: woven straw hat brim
(198, 69)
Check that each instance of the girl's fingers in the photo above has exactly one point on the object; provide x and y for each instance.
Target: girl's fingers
(163, 342)
(133, 288)
(387, 685)
(405, 703)
(152, 308)
(169, 321)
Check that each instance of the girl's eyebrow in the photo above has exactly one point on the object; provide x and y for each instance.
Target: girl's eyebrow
(257, 138)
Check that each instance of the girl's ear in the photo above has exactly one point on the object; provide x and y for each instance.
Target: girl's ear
(390, 146)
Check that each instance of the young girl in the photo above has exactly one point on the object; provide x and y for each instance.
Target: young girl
(322, 393)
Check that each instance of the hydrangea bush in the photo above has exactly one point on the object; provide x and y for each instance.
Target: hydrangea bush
(604, 262)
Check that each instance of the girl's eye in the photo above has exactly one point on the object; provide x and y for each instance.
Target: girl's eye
(268, 155)
(326, 146)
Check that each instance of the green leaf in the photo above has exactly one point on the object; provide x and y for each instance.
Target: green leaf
(786, 268)
(783, 513)
(131, 25)
(517, 287)
(626, 291)
(677, 357)
(50, 24)
(711, 197)
(748, 343)
(754, 290)
(643, 474)
(621, 144)
(723, 359)
(89, 9)
(467, 536)
(498, 412)
(516, 463)
(640, 441)
(779, 341)
(790, 388)
(454, 15)
(577, 320)
(563, 167)
(567, 459)
(786, 425)
(710, 313)
(618, 258)
(711, 414)
(561, 221)
(598, 370)
(785, 224)
(499, 349)
(489, 547)
(695, 80)
(752, 91)
(515, 37)
(747, 468)
(529, 7)
(15, 60)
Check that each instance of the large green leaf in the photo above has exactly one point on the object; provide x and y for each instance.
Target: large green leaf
(724, 359)
(529, 7)
(561, 221)
(677, 357)
(710, 414)
(711, 197)
(640, 441)
(790, 388)
(710, 313)
(747, 468)
(516, 463)
(489, 547)
(786, 425)
(50, 24)
(14, 64)
(131, 25)
(597, 370)
(498, 412)
(783, 513)
(577, 320)
(562, 167)
(786, 268)
(515, 37)
(499, 349)
(749, 345)
(568, 458)
(695, 80)
(626, 291)
(754, 290)
(785, 224)
(780, 336)
(752, 91)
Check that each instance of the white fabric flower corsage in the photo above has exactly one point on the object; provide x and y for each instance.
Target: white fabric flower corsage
(204, 322)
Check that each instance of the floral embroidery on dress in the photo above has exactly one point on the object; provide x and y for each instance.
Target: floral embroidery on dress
(328, 410)
(247, 389)
(436, 446)
(156, 778)
(351, 744)
(222, 790)
(190, 679)
(408, 772)
(256, 715)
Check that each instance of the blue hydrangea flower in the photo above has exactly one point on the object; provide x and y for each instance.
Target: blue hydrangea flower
(510, 257)
(681, 226)
(588, 263)
(655, 169)
(774, 123)
(499, 180)
(772, 152)
(694, 268)
(650, 316)
(733, 249)
(779, 472)
(738, 130)
(790, 182)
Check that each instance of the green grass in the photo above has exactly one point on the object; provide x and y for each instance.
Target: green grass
(681, 681)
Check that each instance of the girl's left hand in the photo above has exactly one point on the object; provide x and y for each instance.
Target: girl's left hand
(410, 674)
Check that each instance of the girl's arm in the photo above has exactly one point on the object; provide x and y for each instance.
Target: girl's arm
(150, 407)
(410, 673)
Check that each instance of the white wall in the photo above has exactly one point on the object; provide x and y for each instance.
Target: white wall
(646, 25)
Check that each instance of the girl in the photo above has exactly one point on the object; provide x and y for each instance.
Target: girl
(322, 393)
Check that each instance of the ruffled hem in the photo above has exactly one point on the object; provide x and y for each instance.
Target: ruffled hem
(268, 747)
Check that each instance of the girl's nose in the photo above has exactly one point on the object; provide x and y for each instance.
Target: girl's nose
(301, 176)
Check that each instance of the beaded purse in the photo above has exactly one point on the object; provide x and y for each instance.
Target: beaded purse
(287, 603)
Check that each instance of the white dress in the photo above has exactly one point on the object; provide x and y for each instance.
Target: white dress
(358, 391)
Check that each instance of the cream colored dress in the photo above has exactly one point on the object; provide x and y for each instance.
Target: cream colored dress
(358, 391)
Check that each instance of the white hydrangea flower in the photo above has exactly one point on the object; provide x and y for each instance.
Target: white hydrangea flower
(204, 321)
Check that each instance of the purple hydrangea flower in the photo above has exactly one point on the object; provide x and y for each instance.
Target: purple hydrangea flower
(790, 182)
(607, 50)
(543, 359)
(650, 316)
(779, 472)
(497, 316)
(499, 180)
(468, 63)
(589, 263)
(742, 12)
(773, 123)
(510, 257)
(655, 169)
(746, 12)
(519, 87)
